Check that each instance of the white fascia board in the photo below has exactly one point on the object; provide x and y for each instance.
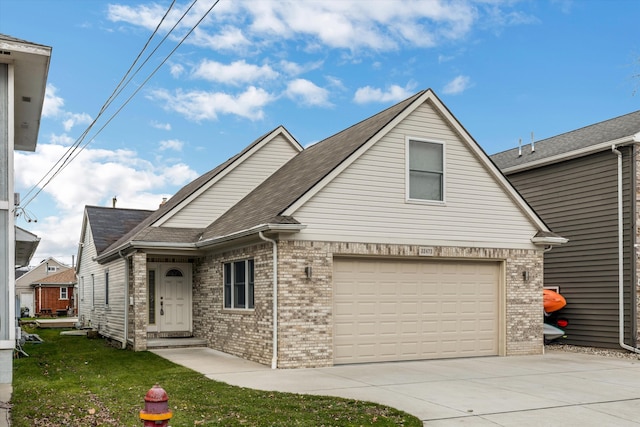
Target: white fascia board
(603, 146)
(356, 154)
(83, 232)
(282, 228)
(280, 130)
(492, 168)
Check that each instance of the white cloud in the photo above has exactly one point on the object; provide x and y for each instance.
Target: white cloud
(202, 105)
(176, 70)
(369, 94)
(171, 144)
(235, 73)
(73, 119)
(295, 69)
(53, 107)
(93, 178)
(346, 24)
(53, 104)
(457, 85)
(307, 93)
(161, 126)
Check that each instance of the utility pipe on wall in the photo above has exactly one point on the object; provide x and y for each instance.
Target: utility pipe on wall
(621, 257)
(126, 299)
(274, 357)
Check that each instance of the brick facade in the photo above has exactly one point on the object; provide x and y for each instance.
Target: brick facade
(48, 298)
(305, 304)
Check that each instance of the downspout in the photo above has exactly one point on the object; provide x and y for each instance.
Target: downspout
(274, 357)
(621, 257)
(126, 300)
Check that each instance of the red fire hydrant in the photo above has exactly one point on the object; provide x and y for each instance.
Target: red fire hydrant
(156, 410)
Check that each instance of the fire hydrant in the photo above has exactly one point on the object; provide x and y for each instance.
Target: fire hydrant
(156, 410)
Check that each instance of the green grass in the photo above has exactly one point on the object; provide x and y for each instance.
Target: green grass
(75, 381)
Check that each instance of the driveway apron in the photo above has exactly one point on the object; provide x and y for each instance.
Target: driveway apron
(557, 388)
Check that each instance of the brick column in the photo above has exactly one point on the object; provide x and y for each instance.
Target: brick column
(139, 294)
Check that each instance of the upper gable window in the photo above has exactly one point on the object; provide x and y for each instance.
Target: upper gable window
(425, 170)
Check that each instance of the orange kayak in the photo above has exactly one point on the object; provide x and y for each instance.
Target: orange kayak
(552, 301)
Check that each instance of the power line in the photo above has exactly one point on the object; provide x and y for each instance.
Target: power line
(76, 149)
(60, 163)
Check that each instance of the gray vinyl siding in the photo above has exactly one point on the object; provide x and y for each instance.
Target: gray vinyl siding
(578, 200)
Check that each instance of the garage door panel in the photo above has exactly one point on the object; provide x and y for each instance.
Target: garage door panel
(406, 310)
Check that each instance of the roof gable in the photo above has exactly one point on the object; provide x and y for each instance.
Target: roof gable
(149, 228)
(40, 270)
(267, 202)
(107, 225)
(277, 199)
(197, 187)
(595, 137)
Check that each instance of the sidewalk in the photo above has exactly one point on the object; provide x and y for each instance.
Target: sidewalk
(5, 397)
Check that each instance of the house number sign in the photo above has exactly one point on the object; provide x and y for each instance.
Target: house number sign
(425, 251)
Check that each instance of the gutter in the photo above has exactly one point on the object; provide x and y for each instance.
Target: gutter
(194, 246)
(274, 357)
(618, 153)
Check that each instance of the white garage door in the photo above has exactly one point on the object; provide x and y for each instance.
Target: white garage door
(387, 310)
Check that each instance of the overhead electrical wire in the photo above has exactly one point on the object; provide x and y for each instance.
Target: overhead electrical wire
(77, 148)
(64, 158)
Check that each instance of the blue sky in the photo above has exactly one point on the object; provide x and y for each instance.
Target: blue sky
(505, 68)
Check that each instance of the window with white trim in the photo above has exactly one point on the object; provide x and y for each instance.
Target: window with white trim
(425, 170)
(64, 293)
(238, 284)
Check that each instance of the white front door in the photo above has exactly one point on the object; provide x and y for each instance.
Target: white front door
(173, 298)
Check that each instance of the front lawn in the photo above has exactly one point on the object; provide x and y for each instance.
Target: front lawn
(75, 381)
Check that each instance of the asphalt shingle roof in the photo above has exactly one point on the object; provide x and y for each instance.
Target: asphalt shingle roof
(67, 277)
(110, 224)
(608, 130)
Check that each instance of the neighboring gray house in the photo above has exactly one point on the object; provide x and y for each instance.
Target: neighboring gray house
(584, 184)
(24, 290)
(395, 239)
(23, 78)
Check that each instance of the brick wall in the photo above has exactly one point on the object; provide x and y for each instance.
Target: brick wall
(305, 305)
(245, 333)
(138, 290)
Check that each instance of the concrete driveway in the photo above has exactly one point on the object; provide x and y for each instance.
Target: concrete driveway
(557, 388)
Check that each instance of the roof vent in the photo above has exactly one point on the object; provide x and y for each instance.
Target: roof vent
(519, 147)
(533, 144)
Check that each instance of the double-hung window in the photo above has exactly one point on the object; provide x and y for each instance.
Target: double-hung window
(64, 293)
(238, 284)
(425, 164)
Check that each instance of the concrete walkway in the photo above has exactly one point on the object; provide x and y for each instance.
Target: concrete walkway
(557, 388)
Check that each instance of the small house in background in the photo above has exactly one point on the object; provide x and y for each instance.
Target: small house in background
(584, 184)
(24, 288)
(55, 294)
